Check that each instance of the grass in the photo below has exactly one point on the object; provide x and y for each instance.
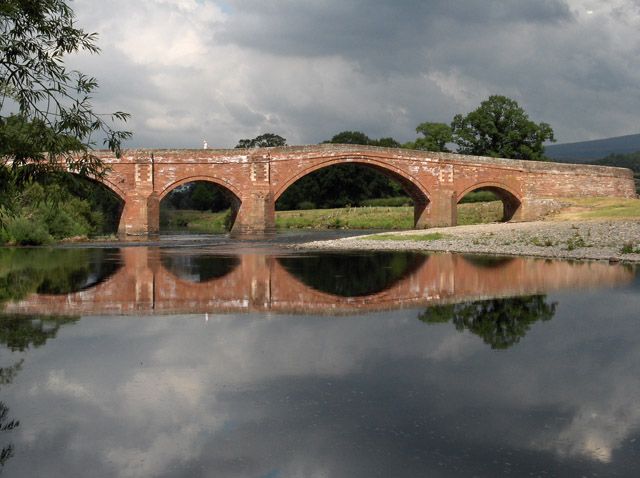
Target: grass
(389, 218)
(599, 208)
(194, 221)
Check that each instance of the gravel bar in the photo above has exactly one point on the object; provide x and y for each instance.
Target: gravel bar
(616, 241)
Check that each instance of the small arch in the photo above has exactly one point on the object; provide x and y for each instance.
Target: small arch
(409, 184)
(511, 201)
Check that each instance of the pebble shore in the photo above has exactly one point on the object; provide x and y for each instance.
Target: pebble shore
(615, 241)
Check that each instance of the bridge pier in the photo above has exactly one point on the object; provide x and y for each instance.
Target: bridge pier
(441, 211)
(256, 215)
(140, 215)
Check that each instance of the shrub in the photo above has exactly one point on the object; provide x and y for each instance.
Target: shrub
(23, 231)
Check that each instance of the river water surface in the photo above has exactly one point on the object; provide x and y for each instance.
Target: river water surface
(211, 358)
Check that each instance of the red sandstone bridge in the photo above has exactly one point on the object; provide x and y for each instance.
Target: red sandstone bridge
(436, 182)
(260, 283)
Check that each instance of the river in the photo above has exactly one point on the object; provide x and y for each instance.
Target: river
(202, 356)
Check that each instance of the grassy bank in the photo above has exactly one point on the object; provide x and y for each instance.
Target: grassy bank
(585, 209)
(345, 218)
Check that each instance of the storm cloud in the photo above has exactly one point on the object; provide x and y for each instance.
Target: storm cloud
(190, 70)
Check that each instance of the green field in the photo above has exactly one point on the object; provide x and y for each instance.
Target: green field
(389, 218)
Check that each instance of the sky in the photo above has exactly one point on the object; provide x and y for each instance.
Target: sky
(195, 70)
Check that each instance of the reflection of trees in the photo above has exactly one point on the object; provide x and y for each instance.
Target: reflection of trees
(500, 322)
(353, 275)
(6, 423)
(199, 268)
(18, 333)
(57, 271)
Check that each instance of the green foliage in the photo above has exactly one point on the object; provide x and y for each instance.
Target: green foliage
(500, 128)
(479, 196)
(435, 137)
(43, 212)
(501, 323)
(23, 231)
(54, 115)
(306, 205)
(629, 248)
(358, 137)
(266, 140)
(199, 196)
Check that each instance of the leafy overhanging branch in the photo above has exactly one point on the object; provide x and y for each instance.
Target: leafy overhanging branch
(51, 122)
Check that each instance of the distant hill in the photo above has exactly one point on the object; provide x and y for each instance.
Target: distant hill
(587, 151)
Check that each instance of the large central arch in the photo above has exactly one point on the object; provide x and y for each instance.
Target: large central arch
(420, 196)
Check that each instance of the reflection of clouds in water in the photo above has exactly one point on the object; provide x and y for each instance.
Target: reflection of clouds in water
(311, 396)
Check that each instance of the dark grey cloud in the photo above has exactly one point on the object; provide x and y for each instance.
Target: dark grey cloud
(379, 33)
(307, 70)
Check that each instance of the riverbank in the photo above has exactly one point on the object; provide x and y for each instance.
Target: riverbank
(613, 240)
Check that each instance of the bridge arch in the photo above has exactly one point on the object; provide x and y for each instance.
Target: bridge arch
(511, 200)
(226, 185)
(410, 184)
(232, 193)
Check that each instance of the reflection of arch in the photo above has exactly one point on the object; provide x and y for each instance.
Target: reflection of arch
(362, 275)
(197, 268)
(223, 183)
(511, 200)
(96, 269)
(488, 262)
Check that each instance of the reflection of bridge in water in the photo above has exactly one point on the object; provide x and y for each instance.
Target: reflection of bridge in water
(151, 281)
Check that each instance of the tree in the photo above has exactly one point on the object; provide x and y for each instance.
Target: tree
(46, 114)
(435, 137)
(266, 140)
(350, 137)
(358, 137)
(500, 128)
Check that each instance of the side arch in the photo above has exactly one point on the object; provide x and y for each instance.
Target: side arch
(420, 196)
(511, 200)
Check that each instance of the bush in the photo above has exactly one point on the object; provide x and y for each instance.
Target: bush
(479, 196)
(23, 231)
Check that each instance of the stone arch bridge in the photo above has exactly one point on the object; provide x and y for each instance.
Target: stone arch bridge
(256, 178)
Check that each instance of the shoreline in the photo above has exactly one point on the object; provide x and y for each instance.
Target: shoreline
(570, 240)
